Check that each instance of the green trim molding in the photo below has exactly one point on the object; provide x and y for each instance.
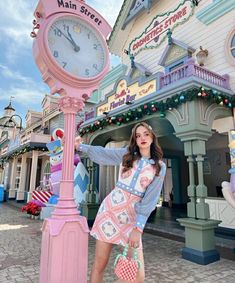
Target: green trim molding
(108, 80)
(215, 10)
(94, 97)
(113, 74)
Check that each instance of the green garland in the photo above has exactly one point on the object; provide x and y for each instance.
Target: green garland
(150, 108)
(21, 151)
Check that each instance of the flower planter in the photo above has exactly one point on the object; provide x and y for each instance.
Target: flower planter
(33, 209)
(36, 217)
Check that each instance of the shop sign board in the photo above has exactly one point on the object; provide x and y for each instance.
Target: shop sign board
(154, 34)
(125, 94)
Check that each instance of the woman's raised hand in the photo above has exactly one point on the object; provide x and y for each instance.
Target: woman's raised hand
(78, 141)
(134, 238)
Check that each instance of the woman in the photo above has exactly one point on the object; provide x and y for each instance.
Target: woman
(124, 212)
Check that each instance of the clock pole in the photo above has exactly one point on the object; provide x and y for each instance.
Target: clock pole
(64, 250)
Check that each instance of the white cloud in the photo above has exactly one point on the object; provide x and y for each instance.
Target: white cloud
(25, 90)
(16, 23)
(14, 75)
(108, 9)
(25, 95)
(15, 26)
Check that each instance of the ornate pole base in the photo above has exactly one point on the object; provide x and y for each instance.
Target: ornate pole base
(64, 251)
(199, 240)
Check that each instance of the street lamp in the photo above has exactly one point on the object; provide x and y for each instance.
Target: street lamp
(201, 56)
(12, 121)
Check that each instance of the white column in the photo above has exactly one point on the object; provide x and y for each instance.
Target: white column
(21, 190)
(12, 191)
(1, 175)
(33, 174)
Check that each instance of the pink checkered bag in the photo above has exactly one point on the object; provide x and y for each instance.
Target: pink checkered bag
(126, 268)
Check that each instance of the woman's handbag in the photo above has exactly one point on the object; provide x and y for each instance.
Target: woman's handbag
(126, 268)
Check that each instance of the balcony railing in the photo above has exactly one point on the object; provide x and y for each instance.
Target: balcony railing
(35, 137)
(191, 69)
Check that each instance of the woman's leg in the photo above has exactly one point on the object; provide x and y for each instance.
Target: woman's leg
(102, 254)
(141, 273)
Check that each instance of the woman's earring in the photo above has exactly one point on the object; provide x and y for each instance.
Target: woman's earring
(135, 150)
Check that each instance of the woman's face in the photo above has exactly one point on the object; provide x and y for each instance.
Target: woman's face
(143, 137)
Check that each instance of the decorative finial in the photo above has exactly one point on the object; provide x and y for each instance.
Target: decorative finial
(132, 61)
(169, 33)
(11, 99)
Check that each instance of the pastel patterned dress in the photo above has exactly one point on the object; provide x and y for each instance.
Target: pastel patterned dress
(130, 203)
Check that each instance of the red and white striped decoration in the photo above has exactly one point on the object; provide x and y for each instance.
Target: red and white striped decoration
(43, 196)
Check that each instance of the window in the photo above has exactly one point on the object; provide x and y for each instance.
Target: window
(176, 66)
(17, 178)
(233, 46)
(230, 48)
(45, 183)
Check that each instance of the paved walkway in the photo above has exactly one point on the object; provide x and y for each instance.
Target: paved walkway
(20, 239)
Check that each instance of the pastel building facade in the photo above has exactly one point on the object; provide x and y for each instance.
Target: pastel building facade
(178, 75)
(25, 163)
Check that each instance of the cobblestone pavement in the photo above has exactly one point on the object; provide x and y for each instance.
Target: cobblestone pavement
(20, 239)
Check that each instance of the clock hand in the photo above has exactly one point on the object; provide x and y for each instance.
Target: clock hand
(69, 39)
(76, 47)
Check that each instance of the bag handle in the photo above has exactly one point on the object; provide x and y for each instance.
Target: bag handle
(124, 254)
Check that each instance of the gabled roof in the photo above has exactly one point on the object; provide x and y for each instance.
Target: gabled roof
(141, 68)
(137, 7)
(117, 28)
(170, 45)
(124, 23)
(9, 107)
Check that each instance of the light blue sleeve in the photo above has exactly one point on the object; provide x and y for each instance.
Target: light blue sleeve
(102, 155)
(148, 203)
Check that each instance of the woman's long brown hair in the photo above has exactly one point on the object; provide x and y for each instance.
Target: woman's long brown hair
(133, 153)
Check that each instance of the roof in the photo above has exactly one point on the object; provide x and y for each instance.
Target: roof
(123, 13)
(170, 46)
(9, 107)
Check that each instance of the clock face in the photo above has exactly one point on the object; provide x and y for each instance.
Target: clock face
(77, 47)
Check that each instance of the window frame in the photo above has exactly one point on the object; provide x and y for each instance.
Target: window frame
(228, 49)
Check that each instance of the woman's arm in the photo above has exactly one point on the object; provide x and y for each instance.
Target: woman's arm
(103, 156)
(148, 203)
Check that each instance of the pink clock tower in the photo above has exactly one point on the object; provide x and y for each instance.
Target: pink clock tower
(71, 53)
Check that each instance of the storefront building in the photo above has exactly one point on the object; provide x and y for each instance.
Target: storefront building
(24, 160)
(178, 75)
(178, 60)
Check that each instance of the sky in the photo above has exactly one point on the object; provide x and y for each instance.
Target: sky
(19, 76)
